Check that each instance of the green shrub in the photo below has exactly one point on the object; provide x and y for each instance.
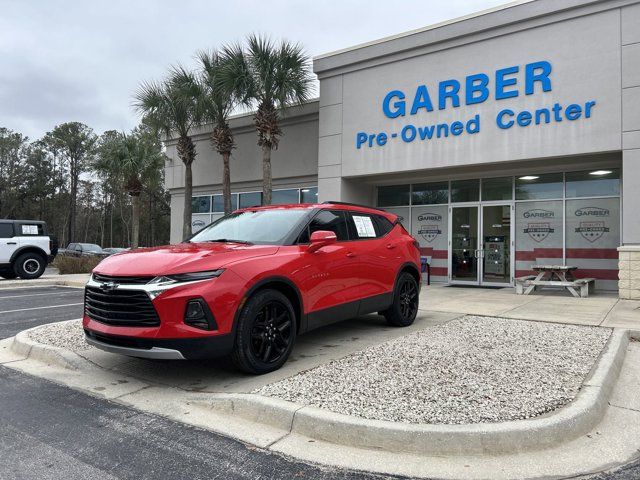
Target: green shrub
(66, 264)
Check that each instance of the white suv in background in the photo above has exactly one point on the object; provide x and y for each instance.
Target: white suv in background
(25, 248)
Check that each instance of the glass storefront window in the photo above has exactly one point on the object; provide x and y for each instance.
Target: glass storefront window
(430, 193)
(539, 186)
(500, 188)
(250, 199)
(430, 227)
(218, 202)
(465, 190)
(309, 195)
(538, 235)
(281, 197)
(199, 221)
(201, 204)
(593, 183)
(393, 195)
(593, 236)
(403, 216)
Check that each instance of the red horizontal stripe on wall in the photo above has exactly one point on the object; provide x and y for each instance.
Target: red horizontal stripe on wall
(430, 252)
(599, 273)
(524, 273)
(611, 253)
(438, 272)
(538, 253)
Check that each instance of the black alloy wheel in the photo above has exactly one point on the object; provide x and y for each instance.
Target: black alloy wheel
(265, 333)
(271, 332)
(406, 299)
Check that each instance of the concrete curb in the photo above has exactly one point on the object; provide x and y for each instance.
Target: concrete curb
(41, 283)
(24, 346)
(572, 421)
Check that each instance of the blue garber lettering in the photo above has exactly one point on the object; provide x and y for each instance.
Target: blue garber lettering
(477, 89)
(507, 118)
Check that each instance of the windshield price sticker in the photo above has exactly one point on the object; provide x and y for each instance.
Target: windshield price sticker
(364, 226)
(29, 229)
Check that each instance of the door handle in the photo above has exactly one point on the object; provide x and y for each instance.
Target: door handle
(351, 254)
(12, 243)
(390, 246)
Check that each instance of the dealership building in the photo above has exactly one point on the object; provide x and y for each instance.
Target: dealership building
(503, 139)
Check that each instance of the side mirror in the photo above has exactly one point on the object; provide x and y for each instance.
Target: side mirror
(320, 239)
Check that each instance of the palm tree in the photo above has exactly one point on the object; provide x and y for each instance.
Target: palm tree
(271, 77)
(135, 159)
(218, 102)
(173, 106)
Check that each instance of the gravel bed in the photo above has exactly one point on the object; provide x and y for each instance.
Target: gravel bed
(471, 370)
(68, 335)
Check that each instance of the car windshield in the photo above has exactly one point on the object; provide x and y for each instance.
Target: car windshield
(266, 227)
(90, 247)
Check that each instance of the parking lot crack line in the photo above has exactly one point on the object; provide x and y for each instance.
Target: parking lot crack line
(623, 407)
(131, 393)
(609, 312)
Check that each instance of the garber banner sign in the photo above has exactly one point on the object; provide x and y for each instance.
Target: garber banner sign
(473, 89)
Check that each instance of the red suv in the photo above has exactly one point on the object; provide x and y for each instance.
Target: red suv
(249, 283)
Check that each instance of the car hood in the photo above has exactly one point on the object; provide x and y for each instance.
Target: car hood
(180, 258)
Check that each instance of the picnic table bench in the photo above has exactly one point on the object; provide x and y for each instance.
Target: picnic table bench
(555, 276)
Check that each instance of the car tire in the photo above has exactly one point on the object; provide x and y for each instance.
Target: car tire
(265, 333)
(406, 299)
(8, 274)
(29, 266)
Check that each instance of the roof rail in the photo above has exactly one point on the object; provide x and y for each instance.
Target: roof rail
(333, 202)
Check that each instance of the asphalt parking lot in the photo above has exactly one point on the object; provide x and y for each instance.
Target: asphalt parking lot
(26, 307)
(47, 422)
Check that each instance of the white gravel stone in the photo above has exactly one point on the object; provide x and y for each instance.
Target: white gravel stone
(471, 370)
(68, 335)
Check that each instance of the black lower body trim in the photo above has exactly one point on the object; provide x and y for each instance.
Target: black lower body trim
(197, 348)
(348, 310)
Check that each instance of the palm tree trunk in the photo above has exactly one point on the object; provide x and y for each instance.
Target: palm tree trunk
(187, 153)
(266, 175)
(135, 220)
(226, 183)
(188, 193)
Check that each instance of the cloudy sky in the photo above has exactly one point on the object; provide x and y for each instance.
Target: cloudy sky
(63, 60)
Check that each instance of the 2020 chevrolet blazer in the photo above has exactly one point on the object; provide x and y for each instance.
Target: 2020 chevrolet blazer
(249, 283)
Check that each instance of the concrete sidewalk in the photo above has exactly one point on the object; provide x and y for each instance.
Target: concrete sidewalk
(48, 279)
(602, 309)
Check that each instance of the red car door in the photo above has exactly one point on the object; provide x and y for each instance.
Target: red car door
(329, 277)
(376, 247)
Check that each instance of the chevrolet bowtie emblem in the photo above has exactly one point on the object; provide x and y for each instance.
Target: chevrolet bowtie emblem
(108, 286)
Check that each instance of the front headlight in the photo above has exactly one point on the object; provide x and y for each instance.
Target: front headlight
(164, 282)
(186, 277)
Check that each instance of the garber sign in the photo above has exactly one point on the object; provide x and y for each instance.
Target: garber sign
(473, 89)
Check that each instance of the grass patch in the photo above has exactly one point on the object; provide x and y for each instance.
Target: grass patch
(68, 265)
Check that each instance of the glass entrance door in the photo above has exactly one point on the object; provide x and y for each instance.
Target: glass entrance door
(495, 252)
(464, 245)
(481, 245)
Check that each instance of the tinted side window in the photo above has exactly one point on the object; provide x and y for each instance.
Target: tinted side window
(383, 226)
(30, 229)
(6, 230)
(332, 221)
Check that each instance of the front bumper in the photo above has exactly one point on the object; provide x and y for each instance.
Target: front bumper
(163, 348)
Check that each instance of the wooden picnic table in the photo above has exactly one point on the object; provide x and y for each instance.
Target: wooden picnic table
(555, 276)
